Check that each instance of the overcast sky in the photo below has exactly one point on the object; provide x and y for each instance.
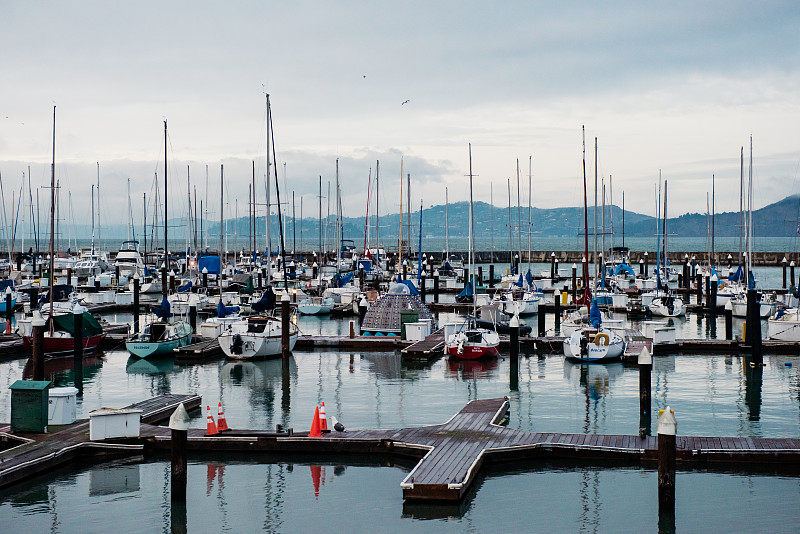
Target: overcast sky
(677, 87)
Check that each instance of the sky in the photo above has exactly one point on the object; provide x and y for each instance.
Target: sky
(673, 88)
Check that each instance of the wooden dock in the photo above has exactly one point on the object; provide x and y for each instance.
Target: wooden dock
(362, 343)
(199, 350)
(450, 454)
(426, 349)
(38, 453)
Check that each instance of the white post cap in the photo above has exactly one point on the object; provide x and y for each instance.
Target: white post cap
(667, 425)
(644, 357)
(285, 298)
(37, 320)
(514, 322)
(179, 420)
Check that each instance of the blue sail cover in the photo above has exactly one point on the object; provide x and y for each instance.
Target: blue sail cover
(211, 263)
(412, 290)
(224, 311)
(519, 282)
(529, 278)
(341, 281)
(446, 268)
(624, 267)
(737, 276)
(751, 280)
(163, 311)
(466, 293)
(267, 301)
(185, 288)
(595, 317)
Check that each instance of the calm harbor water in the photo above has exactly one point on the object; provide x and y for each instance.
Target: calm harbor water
(711, 395)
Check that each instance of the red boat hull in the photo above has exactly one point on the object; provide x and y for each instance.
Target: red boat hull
(472, 352)
(56, 346)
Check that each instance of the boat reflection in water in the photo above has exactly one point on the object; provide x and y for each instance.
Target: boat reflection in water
(60, 370)
(471, 369)
(152, 366)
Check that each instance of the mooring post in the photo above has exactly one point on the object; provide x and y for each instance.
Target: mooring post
(285, 350)
(514, 350)
(205, 277)
(646, 266)
(405, 270)
(77, 356)
(136, 282)
(480, 276)
(557, 309)
(645, 362)
(436, 286)
(491, 275)
(37, 346)
(686, 278)
(753, 333)
(362, 309)
(259, 280)
(708, 291)
(575, 283)
(783, 265)
(179, 426)
(540, 319)
(712, 301)
(422, 280)
(728, 323)
(699, 278)
(667, 429)
(193, 317)
(791, 272)
(9, 310)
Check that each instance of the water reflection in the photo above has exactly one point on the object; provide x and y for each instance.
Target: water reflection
(59, 371)
(157, 369)
(261, 379)
(113, 480)
(753, 380)
(471, 369)
(595, 381)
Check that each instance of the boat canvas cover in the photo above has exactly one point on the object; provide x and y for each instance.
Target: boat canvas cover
(267, 301)
(66, 322)
(6, 284)
(624, 267)
(595, 317)
(210, 263)
(243, 283)
(224, 311)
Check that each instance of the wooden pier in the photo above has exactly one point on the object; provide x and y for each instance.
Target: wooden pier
(38, 453)
(450, 454)
(426, 349)
(198, 350)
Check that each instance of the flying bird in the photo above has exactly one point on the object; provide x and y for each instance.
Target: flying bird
(405, 102)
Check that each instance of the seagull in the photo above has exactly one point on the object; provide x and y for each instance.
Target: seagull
(405, 102)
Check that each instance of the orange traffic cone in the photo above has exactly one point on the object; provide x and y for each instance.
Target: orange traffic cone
(222, 425)
(211, 427)
(8, 326)
(323, 419)
(315, 432)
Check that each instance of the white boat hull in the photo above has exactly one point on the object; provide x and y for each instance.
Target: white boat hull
(603, 345)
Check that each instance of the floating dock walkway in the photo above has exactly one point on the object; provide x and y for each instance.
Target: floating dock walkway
(450, 454)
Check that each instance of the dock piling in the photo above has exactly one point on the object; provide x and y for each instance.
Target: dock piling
(77, 360)
(136, 303)
(9, 310)
(285, 327)
(753, 330)
(37, 346)
(179, 427)
(540, 319)
(699, 289)
(667, 428)
(193, 317)
(712, 301)
(645, 362)
(436, 286)
(557, 309)
(575, 283)
(783, 265)
(513, 379)
(491, 275)
(728, 324)
(422, 280)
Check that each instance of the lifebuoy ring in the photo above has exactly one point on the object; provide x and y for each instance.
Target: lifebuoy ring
(601, 339)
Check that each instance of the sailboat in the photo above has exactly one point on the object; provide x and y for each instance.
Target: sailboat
(469, 341)
(161, 336)
(260, 336)
(664, 303)
(592, 342)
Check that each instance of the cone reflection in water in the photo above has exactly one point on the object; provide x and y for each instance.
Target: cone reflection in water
(211, 427)
(323, 418)
(222, 425)
(315, 430)
(316, 478)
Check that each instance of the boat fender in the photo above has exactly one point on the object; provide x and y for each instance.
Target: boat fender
(601, 339)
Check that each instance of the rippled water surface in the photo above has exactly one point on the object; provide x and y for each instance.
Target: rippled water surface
(711, 395)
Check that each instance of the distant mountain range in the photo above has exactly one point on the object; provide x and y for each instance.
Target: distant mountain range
(776, 220)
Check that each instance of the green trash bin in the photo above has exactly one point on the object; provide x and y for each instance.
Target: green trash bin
(407, 316)
(29, 401)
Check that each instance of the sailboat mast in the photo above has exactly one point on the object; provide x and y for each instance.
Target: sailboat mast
(366, 217)
(585, 220)
(52, 215)
(491, 219)
(713, 208)
(750, 214)
(519, 216)
(266, 186)
(530, 209)
(510, 238)
(400, 230)
(221, 219)
(596, 270)
(472, 235)
(741, 198)
(377, 209)
(446, 225)
(320, 222)
(166, 202)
